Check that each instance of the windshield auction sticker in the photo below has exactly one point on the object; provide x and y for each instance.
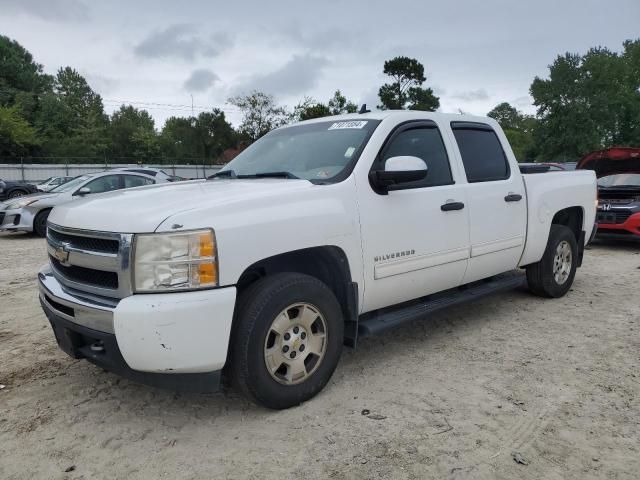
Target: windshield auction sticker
(343, 125)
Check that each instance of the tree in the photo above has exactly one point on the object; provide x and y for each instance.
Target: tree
(205, 136)
(338, 104)
(260, 114)
(518, 128)
(17, 137)
(308, 108)
(405, 91)
(178, 139)
(19, 73)
(214, 133)
(506, 115)
(83, 106)
(71, 118)
(132, 134)
(589, 102)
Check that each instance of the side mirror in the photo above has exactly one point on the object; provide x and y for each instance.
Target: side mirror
(83, 191)
(398, 170)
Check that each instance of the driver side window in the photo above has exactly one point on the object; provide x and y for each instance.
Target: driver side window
(107, 183)
(426, 144)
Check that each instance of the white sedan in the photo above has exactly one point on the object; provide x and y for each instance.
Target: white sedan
(29, 213)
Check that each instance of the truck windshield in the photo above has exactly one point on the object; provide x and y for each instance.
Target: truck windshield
(323, 152)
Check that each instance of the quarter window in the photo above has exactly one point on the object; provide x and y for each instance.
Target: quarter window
(482, 155)
(426, 144)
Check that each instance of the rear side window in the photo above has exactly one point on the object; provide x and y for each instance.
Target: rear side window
(482, 155)
(131, 181)
(425, 143)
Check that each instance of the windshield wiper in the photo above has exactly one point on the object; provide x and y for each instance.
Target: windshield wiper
(270, 175)
(223, 173)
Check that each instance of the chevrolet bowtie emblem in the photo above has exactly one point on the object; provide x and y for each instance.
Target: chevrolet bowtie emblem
(62, 254)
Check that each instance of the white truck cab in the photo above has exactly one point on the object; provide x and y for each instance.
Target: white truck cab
(319, 233)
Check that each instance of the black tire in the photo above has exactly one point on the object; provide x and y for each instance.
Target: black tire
(540, 276)
(40, 223)
(256, 309)
(17, 193)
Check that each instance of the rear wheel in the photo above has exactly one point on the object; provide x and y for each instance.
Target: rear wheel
(553, 275)
(40, 223)
(287, 339)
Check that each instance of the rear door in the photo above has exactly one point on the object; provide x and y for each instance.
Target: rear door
(496, 199)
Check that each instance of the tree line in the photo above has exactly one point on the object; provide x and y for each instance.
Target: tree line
(587, 102)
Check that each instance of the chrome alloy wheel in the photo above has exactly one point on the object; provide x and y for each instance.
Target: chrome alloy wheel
(562, 262)
(296, 343)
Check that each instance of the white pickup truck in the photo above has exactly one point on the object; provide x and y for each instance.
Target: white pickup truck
(319, 233)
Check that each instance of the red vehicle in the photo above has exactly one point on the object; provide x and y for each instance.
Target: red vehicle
(618, 172)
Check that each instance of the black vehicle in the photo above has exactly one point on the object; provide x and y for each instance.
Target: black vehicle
(9, 189)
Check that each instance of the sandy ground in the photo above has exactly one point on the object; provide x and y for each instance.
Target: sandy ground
(453, 396)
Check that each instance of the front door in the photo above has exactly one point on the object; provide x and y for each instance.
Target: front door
(415, 240)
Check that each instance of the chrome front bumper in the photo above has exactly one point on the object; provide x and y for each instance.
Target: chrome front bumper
(81, 309)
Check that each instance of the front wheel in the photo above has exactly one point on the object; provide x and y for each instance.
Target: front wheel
(287, 339)
(553, 275)
(40, 223)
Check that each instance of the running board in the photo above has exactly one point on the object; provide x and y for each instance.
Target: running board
(385, 319)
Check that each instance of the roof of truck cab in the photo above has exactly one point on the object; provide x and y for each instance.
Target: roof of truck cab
(401, 115)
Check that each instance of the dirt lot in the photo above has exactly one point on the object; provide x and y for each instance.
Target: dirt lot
(450, 397)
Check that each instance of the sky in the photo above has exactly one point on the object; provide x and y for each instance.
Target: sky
(165, 55)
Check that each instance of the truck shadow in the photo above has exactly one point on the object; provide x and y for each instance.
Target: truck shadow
(372, 354)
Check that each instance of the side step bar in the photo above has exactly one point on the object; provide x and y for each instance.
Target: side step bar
(373, 323)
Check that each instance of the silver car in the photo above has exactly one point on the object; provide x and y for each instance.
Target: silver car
(30, 213)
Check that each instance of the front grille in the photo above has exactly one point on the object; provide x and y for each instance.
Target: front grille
(95, 263)
(612, 217)
(2, 214)
(96, 278)
(85, 243)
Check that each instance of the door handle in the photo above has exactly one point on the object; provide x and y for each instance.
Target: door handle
(513, 197)
(452, 206)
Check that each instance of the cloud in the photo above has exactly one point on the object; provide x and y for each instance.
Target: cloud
(525, 101)
(182, 41)
(322, 40)
(472, 95)
(298, 75)
(200, 80)
(60, 10)
(102, 84)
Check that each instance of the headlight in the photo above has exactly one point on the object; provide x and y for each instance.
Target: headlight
(22, 203)
(175, 261)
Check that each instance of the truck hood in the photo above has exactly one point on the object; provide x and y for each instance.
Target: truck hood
(611, 161)
(140, 210)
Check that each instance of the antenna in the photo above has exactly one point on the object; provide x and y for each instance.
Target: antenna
(363, 109)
